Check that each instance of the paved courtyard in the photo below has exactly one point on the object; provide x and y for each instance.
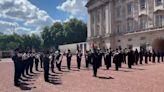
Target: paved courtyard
(142, 78)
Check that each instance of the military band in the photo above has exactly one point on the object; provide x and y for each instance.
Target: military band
(27, 62)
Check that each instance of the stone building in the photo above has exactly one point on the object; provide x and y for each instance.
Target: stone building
(126, 23)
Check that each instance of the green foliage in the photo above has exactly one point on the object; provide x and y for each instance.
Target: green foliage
(73, 31)
(10, 42)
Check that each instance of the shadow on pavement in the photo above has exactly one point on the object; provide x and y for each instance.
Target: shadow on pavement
(107, 78)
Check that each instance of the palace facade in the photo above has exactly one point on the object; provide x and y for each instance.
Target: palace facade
(126, 23)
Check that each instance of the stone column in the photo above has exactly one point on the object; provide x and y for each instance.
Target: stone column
(89, 33)
(107, 16)
(101, 22)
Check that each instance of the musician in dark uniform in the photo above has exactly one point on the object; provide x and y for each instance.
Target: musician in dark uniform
(131, 58)
(36, 62)
(136, 53)
(46, 61)
(52, 61)
(17, 65)
(141, 56)
(158, 56)
(124, 56)
(58, 59)
(87, 57)
(27, 63)
(41, 60)
(162, 55)
(116, 60)
(149, 54)
(79, 56)
(146, 57)
(107, 59)
(69, 56)
(120, 57)
(95, 62)
(154, 55)
(31, 61)
(100, 55)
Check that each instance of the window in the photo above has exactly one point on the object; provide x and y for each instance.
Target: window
(118, 12)
(129, 8)
(159, 20)
(119, 41)
(118, 27)
(143, 38)
(130, 26)
(130, 46)
(142, 4)
(129, 39)
(143, 22)
(158, 2)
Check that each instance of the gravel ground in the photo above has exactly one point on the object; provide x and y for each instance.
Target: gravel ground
(142, 78)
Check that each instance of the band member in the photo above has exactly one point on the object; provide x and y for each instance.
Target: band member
(95, 62)
(37, 62)
(116, 59)
(52, 61)
(136, 53)
(162, 55)
(87, 59)
(120, 57)
(46, 60)
(100, 55)
(131, 58)
(31, 61)
(107, 58)
(69, 56)
(141, 56)
(79, 56)
(41, 60)
(158, 57)
(154, 55)
(24, 63)
(58, 59)
(124, 56)
(146, 56)
(17, 73)
(149, 54)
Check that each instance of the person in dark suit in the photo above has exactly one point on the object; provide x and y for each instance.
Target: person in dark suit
(79, 56)
(116, 60)
(141, 56)
(131, 58)
(46, 61)
(146, 57)
(95, 62)
(69, 57)
(154, 55)
(17, 66)
(136, 53)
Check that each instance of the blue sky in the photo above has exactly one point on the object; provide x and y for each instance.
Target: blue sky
(50, 7)
(30, 16)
